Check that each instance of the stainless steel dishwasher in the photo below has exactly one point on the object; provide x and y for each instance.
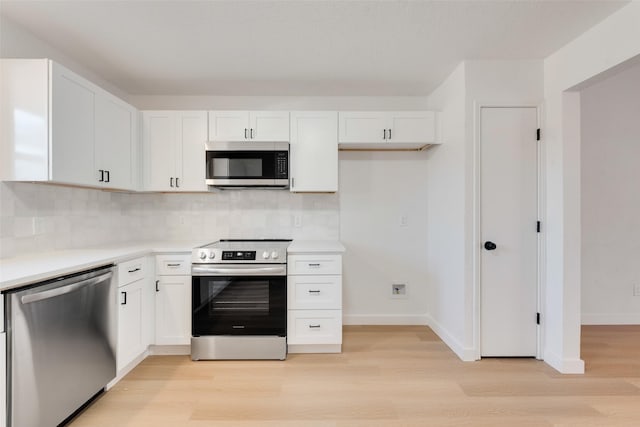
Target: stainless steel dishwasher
(61, 346)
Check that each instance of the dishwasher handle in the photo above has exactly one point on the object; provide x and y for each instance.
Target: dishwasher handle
(51, 293)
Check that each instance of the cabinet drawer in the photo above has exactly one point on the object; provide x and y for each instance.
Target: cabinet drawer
(132, 270)
(173, 265)
(315, 264)
(314, 327)
(314, 292)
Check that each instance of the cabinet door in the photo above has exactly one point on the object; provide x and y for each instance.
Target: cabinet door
(229, 126)
(314, 151)
(191, 136)
(72, 129)
(269, 126)
(130, 327)
(115, 133)
(159, 150)
(363, 126)
(173, 310)
(412, 126)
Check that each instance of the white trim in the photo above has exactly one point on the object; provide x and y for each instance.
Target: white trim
(610, 318)
(476, 240)
(314, 348)
(467, 354)
(385, 319)
(124, 371)
(564, 366)
(170, 350)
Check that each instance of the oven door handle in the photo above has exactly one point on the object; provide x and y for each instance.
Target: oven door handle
(200, 270)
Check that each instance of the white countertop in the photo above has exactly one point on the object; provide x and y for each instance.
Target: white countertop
(24, 270)
(28, 269)
(315, 246)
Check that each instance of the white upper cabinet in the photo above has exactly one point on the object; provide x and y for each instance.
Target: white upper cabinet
(60, 127)
(387, 130)
(173, 150)
(249, 126)
(313, 155)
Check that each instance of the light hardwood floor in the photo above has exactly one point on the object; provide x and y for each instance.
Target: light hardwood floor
(386, 376)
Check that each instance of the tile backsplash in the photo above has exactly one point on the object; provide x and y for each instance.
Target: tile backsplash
(47, 217)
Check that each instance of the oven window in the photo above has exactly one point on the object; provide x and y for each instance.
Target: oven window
(239, 306)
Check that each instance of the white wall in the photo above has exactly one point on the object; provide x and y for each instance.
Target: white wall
(378, 189)
(610, 149)
(446, 228)
(451, 190)
(603, 47)
(17, 42)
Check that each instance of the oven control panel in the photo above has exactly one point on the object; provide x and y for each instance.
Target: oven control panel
(239, 255)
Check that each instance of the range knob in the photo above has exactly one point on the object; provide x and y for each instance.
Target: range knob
(203, 255)
(274, 255)
(212, 255)
(266, 255)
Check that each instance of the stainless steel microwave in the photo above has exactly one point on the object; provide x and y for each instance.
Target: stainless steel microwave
(247, 164)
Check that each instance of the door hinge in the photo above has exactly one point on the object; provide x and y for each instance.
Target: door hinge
(538, 226)
(538, 134)
(537, 318)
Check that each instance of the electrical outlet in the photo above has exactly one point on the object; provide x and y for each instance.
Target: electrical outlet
(636, 290)
(398, 290)
(404, 220)
(297, 221)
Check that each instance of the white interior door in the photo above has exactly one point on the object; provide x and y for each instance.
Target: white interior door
(509, 237)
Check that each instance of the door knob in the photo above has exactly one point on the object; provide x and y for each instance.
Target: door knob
(488, 245)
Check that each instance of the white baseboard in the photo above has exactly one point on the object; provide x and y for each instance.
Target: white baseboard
(384, 319)
(564, 366)
(611, 318)
(465, 354)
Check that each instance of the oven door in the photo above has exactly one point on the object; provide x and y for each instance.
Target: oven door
(241, 164)
(239, 305)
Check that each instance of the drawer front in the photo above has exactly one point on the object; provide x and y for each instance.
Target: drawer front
(173, 265)
(314, 327)
(314, 292)
(315, 264)
(132, 270)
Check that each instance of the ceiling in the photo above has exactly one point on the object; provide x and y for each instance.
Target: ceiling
(303, 47)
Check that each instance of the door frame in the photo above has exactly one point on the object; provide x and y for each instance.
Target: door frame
(477, 236)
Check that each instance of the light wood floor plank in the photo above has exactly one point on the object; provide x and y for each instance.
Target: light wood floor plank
(386, 376)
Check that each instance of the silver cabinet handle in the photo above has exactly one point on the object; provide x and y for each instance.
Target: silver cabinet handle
(26, 299)
(173, 265)
(314, 265)
(313, 326)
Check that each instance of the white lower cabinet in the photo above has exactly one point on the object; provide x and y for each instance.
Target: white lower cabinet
(173, 299)
(135, 311)
(314, 301)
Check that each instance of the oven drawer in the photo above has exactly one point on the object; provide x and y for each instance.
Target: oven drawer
(315, 264)
(173, 265)
(132, 270)
(314, 292)
(314, 327)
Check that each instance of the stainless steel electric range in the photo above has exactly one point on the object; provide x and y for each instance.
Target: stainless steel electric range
(239, 300)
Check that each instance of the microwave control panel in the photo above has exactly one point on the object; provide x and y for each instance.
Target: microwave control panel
(282, 165)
